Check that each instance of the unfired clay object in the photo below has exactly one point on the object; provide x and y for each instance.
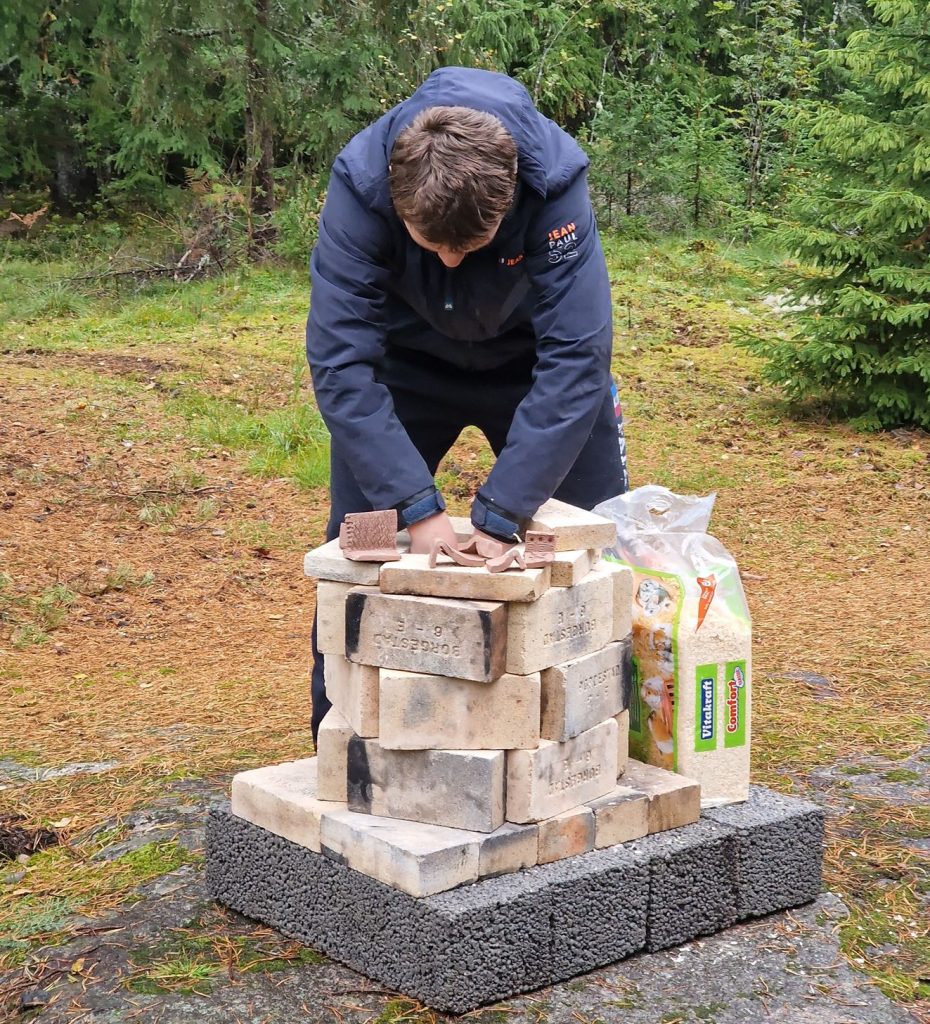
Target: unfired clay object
(486, 547)
(494, 555)
(443, 547)
(540, 549)
(506, 560)
(370, 536)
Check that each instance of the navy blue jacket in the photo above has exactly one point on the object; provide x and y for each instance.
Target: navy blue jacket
(541, 283)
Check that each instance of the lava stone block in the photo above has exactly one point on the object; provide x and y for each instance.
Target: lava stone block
(692, 882)
(488, 940)
(779, 842)
(455, 950)
(600, 903)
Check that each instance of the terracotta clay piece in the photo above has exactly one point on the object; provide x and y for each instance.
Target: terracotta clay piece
(370, 536)
(494, 555)
(486, 547)
(443, 547)
(540, 549)
(504, 561)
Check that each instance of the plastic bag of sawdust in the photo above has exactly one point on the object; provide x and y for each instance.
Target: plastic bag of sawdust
(692, 641)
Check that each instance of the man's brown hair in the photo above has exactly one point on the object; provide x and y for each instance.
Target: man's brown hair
(453, 173)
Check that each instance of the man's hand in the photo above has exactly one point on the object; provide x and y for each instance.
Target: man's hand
(423, 533)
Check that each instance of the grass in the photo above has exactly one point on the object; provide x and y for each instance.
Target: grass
(43, 310)
(33, 618)
(868, 858)
(173, 435)
(60, 882)
(291, 442)
(190, 958)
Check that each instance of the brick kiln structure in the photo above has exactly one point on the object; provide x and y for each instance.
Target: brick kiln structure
(472, 825)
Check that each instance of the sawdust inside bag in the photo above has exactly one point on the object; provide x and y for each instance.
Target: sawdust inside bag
(692, 641)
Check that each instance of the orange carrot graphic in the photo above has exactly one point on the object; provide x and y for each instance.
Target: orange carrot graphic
(708, 585)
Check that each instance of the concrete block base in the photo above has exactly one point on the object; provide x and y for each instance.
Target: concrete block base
(777, 831)
(490, 939)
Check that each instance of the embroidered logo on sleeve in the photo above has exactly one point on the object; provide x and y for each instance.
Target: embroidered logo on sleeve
(563, 243)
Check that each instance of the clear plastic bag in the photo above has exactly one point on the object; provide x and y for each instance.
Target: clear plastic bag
(692, 641)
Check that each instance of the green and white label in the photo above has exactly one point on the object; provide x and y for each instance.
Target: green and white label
(705, 708)
(736, 701)
(636, 717)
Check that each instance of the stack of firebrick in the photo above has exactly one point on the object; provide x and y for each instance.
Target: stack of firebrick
(480, 718)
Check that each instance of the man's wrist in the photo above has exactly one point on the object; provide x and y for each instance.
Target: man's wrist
(422, 505)
(497, 522)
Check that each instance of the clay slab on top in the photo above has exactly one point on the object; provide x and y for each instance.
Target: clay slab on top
(369, 536)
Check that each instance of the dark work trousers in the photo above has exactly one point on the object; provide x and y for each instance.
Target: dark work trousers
(435, 401)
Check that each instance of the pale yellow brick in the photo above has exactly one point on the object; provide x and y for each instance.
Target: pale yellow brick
(558, 776)
(578, 694)
(421, 712)
(623, 741)
(508, 848)
(574, 527)
(354, 691)
(571, 567)
(674, 800)
(622, 579)
(620, 816)
(441, 636)
(327, 562)
(417, 859)
(456, 788)
(283, 799)
(332, 747)
(565, 623)
(412, 575)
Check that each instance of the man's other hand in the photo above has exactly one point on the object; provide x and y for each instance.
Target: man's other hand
(423, 533)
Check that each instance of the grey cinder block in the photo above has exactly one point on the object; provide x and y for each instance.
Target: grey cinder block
(490, 939)
(455, 950)
(692, 883)
(779, 841)
(600, 905)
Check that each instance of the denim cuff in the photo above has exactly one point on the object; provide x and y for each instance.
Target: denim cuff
(421, 505)
(495, 521)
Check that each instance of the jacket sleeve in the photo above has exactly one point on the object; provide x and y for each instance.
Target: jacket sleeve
(345, 340)
(573, 327)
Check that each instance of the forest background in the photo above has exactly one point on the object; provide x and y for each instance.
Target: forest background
(801, 122)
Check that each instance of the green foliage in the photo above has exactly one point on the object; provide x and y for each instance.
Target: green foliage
(769, 67)
(696, 116)
(702, 159)
(297, 218)
(675, 99)
(291, 441)
(862, 225)
(628, 143)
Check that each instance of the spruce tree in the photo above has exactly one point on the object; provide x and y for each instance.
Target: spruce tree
(861, 227)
